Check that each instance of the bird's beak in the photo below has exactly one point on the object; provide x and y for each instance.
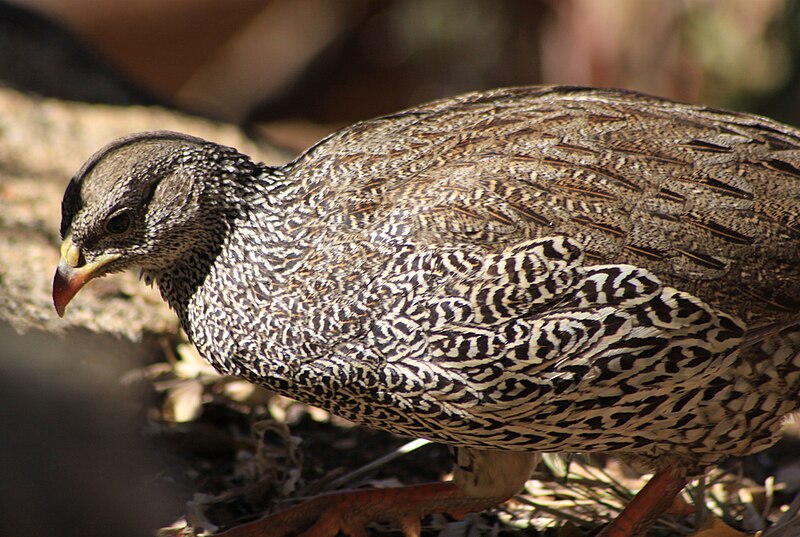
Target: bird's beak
(73, 272)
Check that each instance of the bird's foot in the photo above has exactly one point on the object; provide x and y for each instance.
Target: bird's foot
(350, 511)
(657, 496)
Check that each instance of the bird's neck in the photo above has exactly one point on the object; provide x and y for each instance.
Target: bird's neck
(258, 201)
(181, 281)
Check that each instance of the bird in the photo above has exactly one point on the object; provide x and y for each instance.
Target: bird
(509, 272)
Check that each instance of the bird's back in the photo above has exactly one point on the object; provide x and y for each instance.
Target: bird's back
(708, 200)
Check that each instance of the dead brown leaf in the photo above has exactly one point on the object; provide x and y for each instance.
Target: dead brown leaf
(714, 527)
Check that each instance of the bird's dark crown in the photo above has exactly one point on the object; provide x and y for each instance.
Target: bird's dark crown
(72, 202)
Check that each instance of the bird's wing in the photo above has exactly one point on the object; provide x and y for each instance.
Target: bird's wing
(707, 200)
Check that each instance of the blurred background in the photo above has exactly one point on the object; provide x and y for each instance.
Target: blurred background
(302, 67)
(288, 72)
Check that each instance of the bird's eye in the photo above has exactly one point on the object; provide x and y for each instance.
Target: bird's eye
(118, 223)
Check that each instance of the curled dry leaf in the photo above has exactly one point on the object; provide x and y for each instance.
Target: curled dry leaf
(714, 527)
(184, 402)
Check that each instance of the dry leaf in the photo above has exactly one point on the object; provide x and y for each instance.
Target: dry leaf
(714, 527)
(184, 402)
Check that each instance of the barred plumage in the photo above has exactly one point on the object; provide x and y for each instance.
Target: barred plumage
(522, 270)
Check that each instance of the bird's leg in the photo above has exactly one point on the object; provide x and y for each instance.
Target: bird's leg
(652, 501)
(350, 511)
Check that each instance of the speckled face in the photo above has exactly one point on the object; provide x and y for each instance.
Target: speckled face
(134, 203)
(115, 195)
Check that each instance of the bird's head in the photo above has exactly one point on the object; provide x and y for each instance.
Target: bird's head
(136, 202)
